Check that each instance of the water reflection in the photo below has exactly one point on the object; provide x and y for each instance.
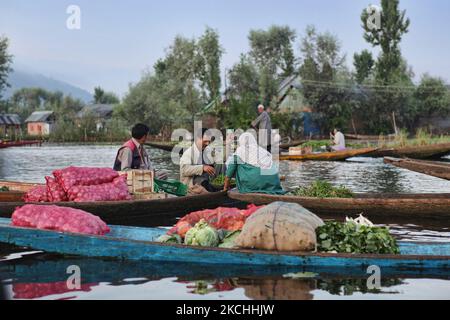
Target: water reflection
(44, 276)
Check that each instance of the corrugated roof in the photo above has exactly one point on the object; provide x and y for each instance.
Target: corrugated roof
(39, 116)
(10, 119)
(98, 110)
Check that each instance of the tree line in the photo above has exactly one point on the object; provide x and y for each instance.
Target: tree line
(376, 93)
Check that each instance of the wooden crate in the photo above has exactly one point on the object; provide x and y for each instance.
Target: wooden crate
(140, 181)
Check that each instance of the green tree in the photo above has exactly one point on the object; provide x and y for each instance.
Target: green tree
(323, 73)
(102, 97)
(272, 51)
(363, 63)
(388, 37)
(5, 64)
(210, 53)
(432, 97)
(391, 100)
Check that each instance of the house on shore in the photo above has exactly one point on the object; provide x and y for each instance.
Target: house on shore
(40, 123)
(100, 113)
(10, 125)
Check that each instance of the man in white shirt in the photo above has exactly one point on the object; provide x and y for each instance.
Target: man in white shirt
(338, 140)
(194, 170)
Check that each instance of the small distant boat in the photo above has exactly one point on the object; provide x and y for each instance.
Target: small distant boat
(10, 144)
(431, 168)
(328, 156)
(125, 243)
(414, 152)
(409, 207)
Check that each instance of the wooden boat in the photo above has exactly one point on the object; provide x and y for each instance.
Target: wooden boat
(146, 213)
(328, 156)
(431, 168)
(417, 152)
(168, 146)
(10, 144)
(409, 207)
(128, 243)
(367, 137)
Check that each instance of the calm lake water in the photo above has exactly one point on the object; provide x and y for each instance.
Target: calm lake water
(32, 275)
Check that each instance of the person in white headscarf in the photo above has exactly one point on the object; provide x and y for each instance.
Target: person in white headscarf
(253, 168)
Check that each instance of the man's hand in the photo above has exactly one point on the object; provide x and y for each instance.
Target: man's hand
(209, 170)
(226, 185)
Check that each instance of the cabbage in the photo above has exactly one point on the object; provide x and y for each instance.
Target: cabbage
(202, 235)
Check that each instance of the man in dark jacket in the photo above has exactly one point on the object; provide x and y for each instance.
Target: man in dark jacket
(132, 155)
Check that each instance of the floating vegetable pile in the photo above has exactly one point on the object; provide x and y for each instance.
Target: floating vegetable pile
(323, 189)
(354, 237)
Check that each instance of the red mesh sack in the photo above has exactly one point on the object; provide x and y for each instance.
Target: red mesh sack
(230, 219)
(55, 192)
(117, 190)
(37, 194)
(76, 176)
(59, 219)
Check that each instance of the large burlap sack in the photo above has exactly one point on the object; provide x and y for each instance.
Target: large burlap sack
(280, 226)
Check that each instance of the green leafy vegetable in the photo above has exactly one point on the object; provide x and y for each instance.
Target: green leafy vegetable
(228, 241)
(4, 189)
(202, 235)
(175, 238)
(354, 238)
(323, 189)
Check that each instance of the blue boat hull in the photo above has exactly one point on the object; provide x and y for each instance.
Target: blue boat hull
(128, 243)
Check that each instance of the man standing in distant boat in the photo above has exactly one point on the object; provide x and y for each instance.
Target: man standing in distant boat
(338, 140)
(264, 123)
(132, 155)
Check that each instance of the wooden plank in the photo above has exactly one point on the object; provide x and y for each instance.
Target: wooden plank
(415, 152)
(408, 207)
(129, 249)
(328, 156)
(431, 168)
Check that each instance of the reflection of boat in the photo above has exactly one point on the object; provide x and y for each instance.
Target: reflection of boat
(415, 152)
(407, 206)
(431, 168)
(133, 213)
(328, 156)
(129, 243)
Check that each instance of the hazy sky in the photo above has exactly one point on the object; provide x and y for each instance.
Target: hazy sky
(119, 39)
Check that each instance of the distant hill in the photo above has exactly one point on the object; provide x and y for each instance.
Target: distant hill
(20, 79)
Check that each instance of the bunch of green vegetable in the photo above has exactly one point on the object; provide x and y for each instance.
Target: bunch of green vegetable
(219, 181)
(316, 144)
(4, 189)
(203, 235)
(323, 189)
(351, 237)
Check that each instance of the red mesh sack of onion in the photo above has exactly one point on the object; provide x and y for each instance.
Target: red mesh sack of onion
(59, 219)
(37, 194)
(113, 191)
(77, 176)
